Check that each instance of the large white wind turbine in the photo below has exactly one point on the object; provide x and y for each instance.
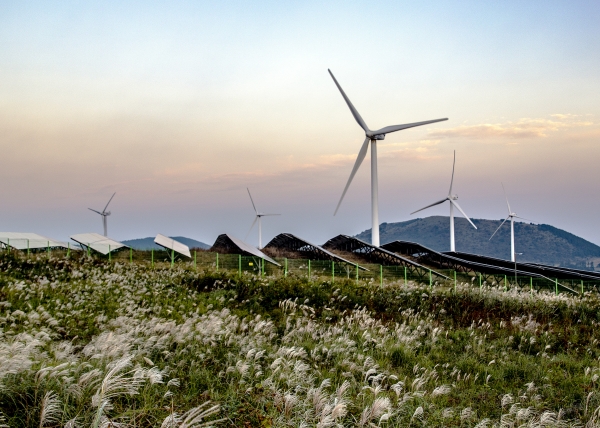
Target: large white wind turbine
(258, 217)
(511, 216)
(453, 203)
(371, 137)
(104, 213)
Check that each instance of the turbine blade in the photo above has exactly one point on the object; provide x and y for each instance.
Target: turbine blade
(251, 227)
(263, 215)
(463, 213)
(95, 211)
(507, 204)
(522, 218)
(109, 201)
(394, 128)
(361, 156)
(498, 228)
(452, 179)
(353, 110)
(251, 200)
(429, 206)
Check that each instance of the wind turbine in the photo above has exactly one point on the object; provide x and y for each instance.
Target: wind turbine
(453, 203)
(257, 218)
(104, 213)
(511, 216)
(371, 137)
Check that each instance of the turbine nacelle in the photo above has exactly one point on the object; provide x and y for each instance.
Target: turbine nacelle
(372, 136)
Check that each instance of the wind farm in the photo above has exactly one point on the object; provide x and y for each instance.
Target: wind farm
(341, 295)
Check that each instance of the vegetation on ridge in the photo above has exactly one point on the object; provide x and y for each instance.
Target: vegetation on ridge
(87, 343)
(539, 243)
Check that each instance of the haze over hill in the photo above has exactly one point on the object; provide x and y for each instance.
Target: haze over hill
(148, 243)
(540, 243)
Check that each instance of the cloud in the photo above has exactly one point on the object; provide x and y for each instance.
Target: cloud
(525, 128)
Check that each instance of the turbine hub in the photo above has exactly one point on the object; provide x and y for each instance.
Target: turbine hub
(378, 137)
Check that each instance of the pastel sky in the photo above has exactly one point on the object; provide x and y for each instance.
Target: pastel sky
(179, 106)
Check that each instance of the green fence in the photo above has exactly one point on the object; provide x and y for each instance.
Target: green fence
(313, 269)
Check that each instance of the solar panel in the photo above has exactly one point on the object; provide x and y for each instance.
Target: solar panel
(171, 244)
(231, 244)
(32, 241)
(97, 242)
(290, 242)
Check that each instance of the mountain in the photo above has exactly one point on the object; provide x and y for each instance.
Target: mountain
(539, 243)
(148, 243)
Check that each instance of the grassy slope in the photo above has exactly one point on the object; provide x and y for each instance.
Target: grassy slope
(263, 348)
(538, 243)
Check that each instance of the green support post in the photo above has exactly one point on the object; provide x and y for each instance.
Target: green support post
(196, 261)
(309, 269)
(240, 265)
(380, 275)
(332, 271)
(556, 286)
(172, 258)
(285, 269)
(505, 286)
(405, 276)
(357, 272)
(531, 284)
(48, 248)
(430, 280)
(455, 282)
(68, 250)
(480, 283)
(582, 286)
(217, 262)
(262, 267)
(109, 258)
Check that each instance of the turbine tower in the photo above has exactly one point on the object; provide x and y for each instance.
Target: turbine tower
(371, 137)
(258, 217)
(453, 203)
(511, 216)
(104, 213)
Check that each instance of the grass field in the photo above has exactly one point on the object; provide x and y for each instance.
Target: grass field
(84, 342)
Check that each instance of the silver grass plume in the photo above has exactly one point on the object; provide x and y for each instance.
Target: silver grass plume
(194, 418)
(114, 384)
(380, 406)
(3, 423)
(50, 411)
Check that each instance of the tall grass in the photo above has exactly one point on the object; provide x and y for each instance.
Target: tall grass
(87, 343)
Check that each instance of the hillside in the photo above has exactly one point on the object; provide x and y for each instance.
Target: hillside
(539, 243)
(148, 243)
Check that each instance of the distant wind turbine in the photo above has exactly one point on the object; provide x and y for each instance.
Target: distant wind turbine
(371, 137)
(511, 216)
(453, 203)
(104, 213)
(258, 217)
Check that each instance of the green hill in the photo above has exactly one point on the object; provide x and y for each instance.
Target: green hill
(540, 243)
(148, 243)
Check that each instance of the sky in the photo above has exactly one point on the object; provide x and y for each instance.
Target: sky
(180, 106)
